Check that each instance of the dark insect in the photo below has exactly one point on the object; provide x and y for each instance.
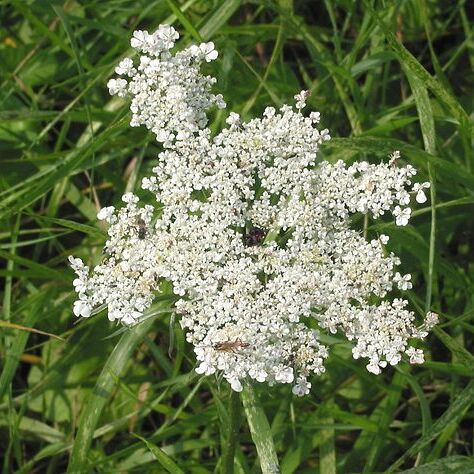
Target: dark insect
(142, 228)
(231, 346)
(394, 159)
(254, 237)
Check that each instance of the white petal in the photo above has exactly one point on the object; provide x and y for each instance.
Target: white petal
(421, 197)
(236, 385)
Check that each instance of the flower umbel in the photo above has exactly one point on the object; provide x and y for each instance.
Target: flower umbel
(252, 231)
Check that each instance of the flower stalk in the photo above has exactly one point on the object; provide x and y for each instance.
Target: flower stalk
(232, 436)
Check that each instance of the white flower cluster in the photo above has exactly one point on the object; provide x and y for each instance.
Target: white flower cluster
(252, 232)
(168, 93)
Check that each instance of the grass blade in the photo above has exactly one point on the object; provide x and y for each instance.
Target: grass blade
(19, 327)
(454, 413)
(218, 18)
(184, 21)
(410, 62)
(12, 357)
(162, 458)
(327, 448)
(428, 131)
(260, 431)
(459, 352)
(114, 367)
(449, 465)
(386, 416)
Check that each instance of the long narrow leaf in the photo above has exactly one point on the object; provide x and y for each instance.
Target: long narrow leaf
(163, 459)
(455, 412)
(408, 60)
(114, 367)
(260, 431)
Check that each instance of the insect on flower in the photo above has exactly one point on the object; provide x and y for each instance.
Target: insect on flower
(231, 346)
(142, 228)
(254, 237)
(394, 158)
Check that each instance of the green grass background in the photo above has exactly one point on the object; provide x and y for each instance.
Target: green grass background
(385, 76)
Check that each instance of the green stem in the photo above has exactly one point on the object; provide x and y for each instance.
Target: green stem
(431, 256)
(232, 435)
(366, 225)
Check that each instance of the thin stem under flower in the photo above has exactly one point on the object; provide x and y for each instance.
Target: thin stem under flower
(232, 436)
